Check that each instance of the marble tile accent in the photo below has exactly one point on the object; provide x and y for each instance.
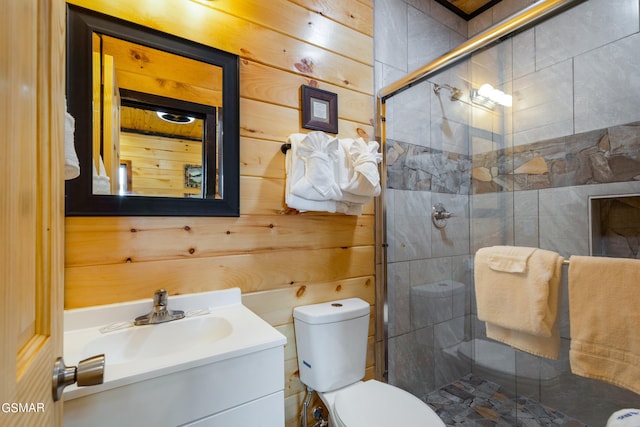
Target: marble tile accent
(434, 303)
(495, 14)
(443, 108)
(480, 23)
(412, 223)
(543, 104)
(607, 89)
(486, 131)
(524, 57)
(427, 39)
(423, 6)
(449, 333)
(525, 205)
(448, 18)
(411, 361)
(390, 42)
(563, 220)
(494, 66)
(390, 231)
(398, 298)
(387, 74)
(409, 116)
(431, 270)
(506, 8)
(449, 135)
(453, 238)
(449, 369)
(584, 28)
(492, 221)
(463, 273)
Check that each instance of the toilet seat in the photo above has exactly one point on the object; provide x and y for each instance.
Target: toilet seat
(376, 404)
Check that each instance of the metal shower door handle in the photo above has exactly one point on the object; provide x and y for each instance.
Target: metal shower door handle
(88, 372)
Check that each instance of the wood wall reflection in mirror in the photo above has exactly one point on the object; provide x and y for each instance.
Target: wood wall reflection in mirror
(150, 108)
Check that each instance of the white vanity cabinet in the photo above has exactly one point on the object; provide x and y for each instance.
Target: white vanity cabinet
(245, 391)
(234, 380)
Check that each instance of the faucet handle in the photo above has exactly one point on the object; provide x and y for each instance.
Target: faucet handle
(160, 297)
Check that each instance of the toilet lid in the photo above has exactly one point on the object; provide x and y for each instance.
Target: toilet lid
(376, 404)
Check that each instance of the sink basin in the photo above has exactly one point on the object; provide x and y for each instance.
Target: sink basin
(144, 342)
(217, 327)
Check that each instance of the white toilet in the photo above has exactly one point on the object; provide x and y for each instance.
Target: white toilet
(332, 348)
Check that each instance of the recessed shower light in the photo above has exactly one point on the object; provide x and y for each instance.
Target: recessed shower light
(175, 118)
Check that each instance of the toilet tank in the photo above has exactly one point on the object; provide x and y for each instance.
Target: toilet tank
(331, 339)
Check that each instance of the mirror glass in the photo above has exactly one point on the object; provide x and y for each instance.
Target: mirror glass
(150, 133)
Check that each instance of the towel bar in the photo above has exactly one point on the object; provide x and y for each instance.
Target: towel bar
(565, 262)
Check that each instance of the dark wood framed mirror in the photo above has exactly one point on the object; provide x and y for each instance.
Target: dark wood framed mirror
(156, 121)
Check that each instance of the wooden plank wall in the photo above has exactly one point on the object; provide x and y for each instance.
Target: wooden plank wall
(157, 163)
(278, 258)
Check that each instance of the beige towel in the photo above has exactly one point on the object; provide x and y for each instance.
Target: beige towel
(509, 259)
(518, 294)
(604, 316)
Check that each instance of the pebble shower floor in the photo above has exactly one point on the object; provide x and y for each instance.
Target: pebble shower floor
(474, 402)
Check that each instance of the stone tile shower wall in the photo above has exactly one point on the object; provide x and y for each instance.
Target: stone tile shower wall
(597, 157)
(571, 134)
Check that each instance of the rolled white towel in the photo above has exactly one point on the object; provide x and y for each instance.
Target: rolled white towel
(101, 182)
(327, 174)
(295, 170)
(317, 155)
(361, 176)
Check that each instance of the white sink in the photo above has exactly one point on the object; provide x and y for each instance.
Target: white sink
(217, 328)
(150, 341)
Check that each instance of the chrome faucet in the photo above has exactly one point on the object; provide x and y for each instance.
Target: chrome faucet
(160, 312)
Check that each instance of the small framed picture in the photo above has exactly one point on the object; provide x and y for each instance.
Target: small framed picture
(319, 109)
(193, 176)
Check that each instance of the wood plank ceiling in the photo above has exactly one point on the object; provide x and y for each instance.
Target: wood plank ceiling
(468, 9)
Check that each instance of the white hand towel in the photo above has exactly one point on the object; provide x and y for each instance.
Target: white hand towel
(71, 164)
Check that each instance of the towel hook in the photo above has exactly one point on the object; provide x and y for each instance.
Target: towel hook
(285, 147)
(439, 215)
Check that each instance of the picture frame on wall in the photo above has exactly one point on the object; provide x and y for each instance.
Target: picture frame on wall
(192, 176)
(319, 109)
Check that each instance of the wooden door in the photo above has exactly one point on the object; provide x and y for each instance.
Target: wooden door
(32, 196)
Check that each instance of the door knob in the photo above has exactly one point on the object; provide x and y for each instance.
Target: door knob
(88, 372)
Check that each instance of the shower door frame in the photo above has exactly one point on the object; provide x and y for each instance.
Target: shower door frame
(521, 21)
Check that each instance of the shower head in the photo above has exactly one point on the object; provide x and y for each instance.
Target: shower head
(455, 92)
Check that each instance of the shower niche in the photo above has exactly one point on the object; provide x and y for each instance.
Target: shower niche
(615, 226)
